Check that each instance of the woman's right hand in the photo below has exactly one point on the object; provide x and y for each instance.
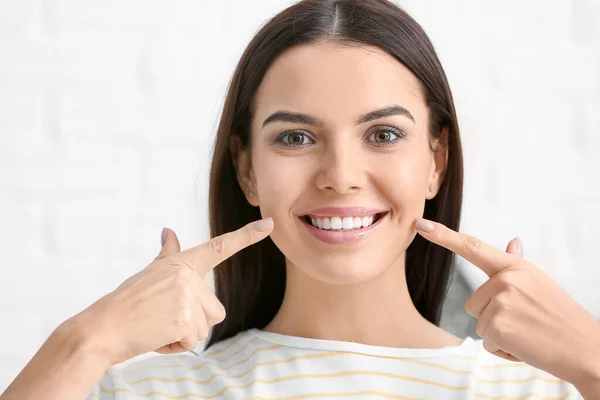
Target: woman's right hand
(167, 307)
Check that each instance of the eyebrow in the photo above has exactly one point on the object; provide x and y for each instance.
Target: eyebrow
(288, 116)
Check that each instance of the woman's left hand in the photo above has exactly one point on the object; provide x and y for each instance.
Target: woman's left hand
(524, 315)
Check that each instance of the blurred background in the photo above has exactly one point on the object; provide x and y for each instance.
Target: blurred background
(108, 110)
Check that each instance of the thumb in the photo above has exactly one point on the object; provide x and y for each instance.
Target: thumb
(170, 244)
(515, 246)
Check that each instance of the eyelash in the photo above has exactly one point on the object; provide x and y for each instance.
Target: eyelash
(280, 138)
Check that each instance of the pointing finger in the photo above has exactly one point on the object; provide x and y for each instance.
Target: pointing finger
(487, 258)
(205, 257)
(515, 246)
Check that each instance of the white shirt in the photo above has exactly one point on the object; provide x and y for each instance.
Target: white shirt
(257, 364)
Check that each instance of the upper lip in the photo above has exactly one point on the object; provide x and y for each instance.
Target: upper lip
(344, 212)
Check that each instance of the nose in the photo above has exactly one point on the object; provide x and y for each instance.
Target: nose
(342, 169)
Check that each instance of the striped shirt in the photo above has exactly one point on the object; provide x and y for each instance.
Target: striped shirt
(256, 364)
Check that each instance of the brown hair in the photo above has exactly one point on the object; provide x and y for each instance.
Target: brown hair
(251, 284)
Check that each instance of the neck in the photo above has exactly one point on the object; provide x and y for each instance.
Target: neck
(378, 312)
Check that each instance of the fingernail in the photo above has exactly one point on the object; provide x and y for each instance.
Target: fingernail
(425, 225)
(163, 236)
(264, 224)
(519, 245)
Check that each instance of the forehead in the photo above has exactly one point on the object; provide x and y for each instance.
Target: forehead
(337, 83)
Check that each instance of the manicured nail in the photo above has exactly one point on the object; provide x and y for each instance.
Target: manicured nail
(425, 225)
(519, 245)
(264, 224)
(163, 237)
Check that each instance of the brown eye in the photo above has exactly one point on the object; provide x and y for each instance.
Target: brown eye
(296, 138)
(382, 136)
(293, 139)
(385, 137)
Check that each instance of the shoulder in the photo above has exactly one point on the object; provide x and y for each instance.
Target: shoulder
(494, 376)
(142, 375)
(190, 373)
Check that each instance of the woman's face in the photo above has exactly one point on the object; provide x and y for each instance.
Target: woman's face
(338, 157)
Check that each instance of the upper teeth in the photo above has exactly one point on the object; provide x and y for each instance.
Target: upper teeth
(341, 222)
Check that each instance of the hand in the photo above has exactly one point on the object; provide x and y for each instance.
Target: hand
(523, 314)
(167, 307)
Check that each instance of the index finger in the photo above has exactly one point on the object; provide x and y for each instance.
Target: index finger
(203, 258)
(487, 258)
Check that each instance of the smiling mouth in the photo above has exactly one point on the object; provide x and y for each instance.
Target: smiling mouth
(342, 223)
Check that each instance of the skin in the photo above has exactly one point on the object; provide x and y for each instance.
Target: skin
(351, 292)
(358, 292)
(524, 315)
(166, 307)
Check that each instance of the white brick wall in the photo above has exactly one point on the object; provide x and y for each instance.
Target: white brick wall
(108, 110)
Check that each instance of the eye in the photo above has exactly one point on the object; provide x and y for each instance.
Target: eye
(293, 139)
(385, 137)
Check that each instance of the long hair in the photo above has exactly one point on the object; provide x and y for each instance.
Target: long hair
(251, 284)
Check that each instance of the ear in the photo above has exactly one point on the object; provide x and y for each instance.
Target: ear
(439, 163)
(243, 168)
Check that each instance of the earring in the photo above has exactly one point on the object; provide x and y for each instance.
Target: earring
(251, 194)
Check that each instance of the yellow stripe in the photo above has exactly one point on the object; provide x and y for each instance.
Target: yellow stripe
(347, 394)
(225, 348)
(239, 351)
(392, 396)
(334, 354)
(233, 376)
(327, 354)
(304, 396)
(493, 366)
(339, 353)
(378, 373)
(334, 375)
(256, 338)
(196, 367)
(300, 376)
(233, 342)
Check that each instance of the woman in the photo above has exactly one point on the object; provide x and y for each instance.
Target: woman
(339, 128)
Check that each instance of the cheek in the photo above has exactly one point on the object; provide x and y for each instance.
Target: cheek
(402, 177)
(280, 183)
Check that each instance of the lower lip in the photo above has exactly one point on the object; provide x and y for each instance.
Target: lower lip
(339, 237)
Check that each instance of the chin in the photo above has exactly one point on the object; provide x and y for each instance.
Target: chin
(343, 270)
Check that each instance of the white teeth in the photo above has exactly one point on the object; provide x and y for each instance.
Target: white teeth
(348, 223)
(341, 223)
(336, 223)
